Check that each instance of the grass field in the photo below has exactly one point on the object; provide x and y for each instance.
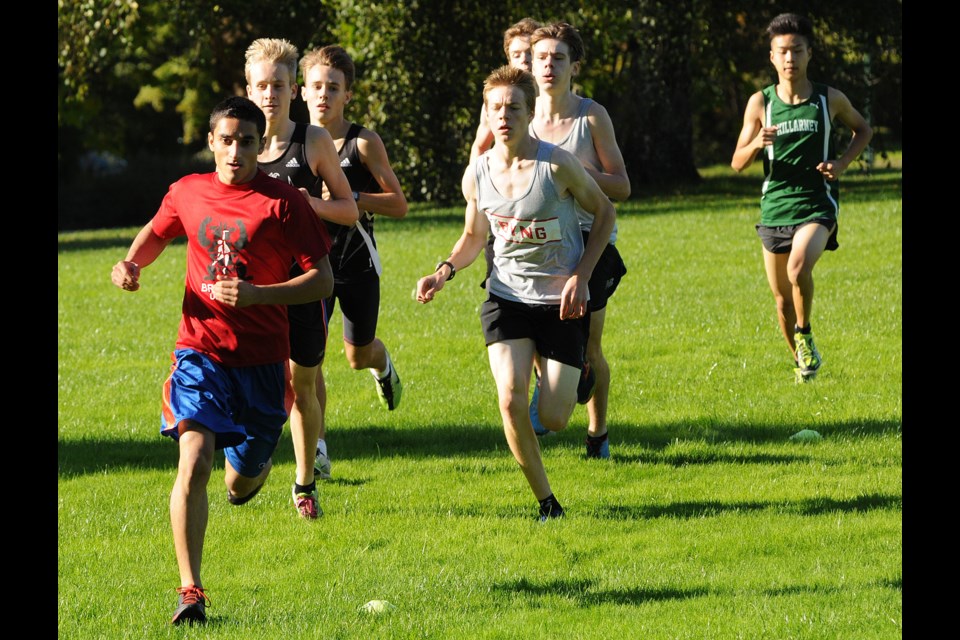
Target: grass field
(707, 521)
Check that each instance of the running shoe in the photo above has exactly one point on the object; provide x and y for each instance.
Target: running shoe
(321, 465)
(808, 358)
(389, 388)
(598, 449)
(538, 428)
(192, 603)
(550, 510)
(306, 504)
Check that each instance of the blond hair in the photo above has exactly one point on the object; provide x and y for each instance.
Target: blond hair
(275, 50)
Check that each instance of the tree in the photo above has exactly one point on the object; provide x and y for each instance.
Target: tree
(139, 79)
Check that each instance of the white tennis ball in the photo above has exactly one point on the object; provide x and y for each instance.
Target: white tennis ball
(377, 606)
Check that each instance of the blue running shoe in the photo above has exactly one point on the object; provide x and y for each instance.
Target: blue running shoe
(538, 428)
(598, 449)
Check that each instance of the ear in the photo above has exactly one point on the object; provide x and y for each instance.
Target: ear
(293, 90)
(210, 140)
(349, 97)
(263, 143)
(249, 93)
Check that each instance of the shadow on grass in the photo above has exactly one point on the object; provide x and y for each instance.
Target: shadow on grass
(710, 508)
(582, 591)
(85, 456)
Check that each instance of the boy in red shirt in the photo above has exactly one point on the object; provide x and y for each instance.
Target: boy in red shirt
(226, 386)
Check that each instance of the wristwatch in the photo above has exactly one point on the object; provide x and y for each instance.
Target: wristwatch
(453, 269)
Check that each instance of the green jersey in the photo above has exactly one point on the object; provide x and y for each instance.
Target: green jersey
(793, 190)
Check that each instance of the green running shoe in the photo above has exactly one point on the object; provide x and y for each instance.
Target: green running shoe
(808, 358)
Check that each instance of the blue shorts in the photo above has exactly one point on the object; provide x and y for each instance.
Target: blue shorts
(242, 406)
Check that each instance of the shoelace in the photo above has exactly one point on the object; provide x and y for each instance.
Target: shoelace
(804, 353)
(193, 595)
(306, 502)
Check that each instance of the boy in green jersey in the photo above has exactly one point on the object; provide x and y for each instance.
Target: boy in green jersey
(791, 123)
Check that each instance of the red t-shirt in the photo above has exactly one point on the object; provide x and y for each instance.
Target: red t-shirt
(251, 231)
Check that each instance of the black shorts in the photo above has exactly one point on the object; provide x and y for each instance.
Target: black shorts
(606, 275)
(780, 239)
(308, 333)
(360, 305)
(561, 340)
(308, 330)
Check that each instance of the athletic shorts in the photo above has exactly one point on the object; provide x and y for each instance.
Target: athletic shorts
(242, 406)
(308, 329)
(308, 333)
(561, 340)
(360, 305)
(780, 239)
(606, 275)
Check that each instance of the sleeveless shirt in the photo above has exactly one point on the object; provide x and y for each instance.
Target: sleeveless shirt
(579, 142)
(350, 254)
(292, 166)
(537, 238)
(793, 190)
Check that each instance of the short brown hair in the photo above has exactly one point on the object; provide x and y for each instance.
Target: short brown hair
(508, 76)
(524, 27)
(565, 33)
(334, 56)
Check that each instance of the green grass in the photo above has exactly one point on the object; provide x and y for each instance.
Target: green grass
(707, 522)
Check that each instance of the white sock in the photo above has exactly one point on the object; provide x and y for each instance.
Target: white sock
(381, 374)
(322, 446)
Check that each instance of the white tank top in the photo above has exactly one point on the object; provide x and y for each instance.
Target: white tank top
(537, 239)
(579, 142)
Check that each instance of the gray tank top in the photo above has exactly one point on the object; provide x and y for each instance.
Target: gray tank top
(537, 239)
(579, 142)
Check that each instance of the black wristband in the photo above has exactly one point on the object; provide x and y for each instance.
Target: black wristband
(453, 269)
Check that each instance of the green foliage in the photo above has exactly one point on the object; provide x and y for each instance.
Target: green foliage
(707, 522)
(674, 75)
(858, 50)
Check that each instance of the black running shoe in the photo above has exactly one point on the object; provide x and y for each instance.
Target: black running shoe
(192, 605)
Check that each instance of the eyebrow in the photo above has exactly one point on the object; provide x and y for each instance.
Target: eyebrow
(227, 136)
